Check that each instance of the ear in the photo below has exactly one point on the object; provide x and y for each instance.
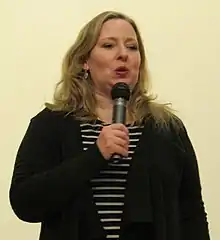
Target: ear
(86, 66)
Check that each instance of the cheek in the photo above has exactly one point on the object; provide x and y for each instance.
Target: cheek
(99, 67)
(95, 64)
(136, 61)
(136, 65)
(98, 59)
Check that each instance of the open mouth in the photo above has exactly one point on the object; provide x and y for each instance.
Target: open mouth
(121, 71)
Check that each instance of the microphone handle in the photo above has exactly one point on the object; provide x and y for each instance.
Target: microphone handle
(119, 111)
(119, 116)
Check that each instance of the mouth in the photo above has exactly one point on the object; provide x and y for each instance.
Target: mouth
(122, 71)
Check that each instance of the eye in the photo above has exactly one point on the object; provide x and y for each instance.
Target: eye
(133, 47)
(108, 45)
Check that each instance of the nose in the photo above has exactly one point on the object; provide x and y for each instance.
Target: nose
(122, 53)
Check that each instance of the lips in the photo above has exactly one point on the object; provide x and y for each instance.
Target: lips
(121, 71)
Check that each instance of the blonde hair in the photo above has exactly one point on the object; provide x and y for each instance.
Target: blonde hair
(75, 94)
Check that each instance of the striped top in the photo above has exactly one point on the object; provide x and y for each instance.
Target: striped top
(109, 186)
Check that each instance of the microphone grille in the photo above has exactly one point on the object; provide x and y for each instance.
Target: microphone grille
(120, 90)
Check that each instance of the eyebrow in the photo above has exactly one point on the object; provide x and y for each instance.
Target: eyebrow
(114, 39)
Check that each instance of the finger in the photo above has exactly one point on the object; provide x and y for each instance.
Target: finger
(122, 135)
(121, 142)
(120, 150)
(119, 126)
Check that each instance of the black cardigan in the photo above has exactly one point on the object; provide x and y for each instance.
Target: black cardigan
(50, 183)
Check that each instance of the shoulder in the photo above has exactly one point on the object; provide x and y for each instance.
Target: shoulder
(52, 116)
(173, 136)
(167, 127)
(55, 122)
(163, 120)
(48, 114)
(166, 124)
(178, 136)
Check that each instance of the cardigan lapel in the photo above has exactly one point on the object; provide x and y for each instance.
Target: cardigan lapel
(144, 194)
(138, 207)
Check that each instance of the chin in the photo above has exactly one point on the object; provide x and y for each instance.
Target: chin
(124, 80)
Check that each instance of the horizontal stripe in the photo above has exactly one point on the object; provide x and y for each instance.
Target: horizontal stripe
(112, 236)
(91, 125)
(109, 203)
(87, 136)
(133, 139)
(90, 130)
(108, 188)
(111, 227)
(109, 195)
(110, 219)
(135, 133)
(108, 180)
(135, 127)
(119, 164)
(130, 152)
(101, 125)
(87, 142)
(133, 146)
(114, 172)
(92, 138)
(109, 212)
(127, 158)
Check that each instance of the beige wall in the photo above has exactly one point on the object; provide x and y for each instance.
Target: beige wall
(182, 41)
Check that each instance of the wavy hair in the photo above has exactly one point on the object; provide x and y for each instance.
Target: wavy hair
(74, 94)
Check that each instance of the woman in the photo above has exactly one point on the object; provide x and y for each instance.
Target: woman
(64, 176)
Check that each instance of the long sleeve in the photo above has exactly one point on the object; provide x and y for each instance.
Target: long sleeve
(42, 182)
(193, 216)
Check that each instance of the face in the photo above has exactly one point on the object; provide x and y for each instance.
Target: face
(115, 57)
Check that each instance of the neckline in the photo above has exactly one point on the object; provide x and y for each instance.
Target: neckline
(98, 120)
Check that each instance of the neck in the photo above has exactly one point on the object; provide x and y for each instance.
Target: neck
(104, 107)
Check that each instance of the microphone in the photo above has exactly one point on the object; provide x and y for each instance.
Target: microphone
(120, 95)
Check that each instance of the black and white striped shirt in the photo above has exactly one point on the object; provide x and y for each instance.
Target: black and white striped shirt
(109, 187)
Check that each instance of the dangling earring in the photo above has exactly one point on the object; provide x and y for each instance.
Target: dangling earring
(86, 74)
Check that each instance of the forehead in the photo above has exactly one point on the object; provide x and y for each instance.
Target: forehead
(117, 28)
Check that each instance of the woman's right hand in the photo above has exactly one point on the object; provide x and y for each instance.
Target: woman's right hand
(113, 139)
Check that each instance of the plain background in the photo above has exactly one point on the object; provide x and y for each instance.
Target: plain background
(182, 44)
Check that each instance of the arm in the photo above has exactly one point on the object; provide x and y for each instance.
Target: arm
(193, 216)
(42, 183)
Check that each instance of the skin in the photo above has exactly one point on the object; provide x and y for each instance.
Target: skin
(117, 46)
